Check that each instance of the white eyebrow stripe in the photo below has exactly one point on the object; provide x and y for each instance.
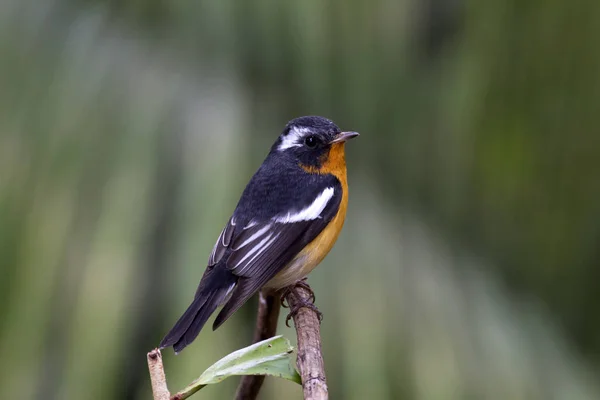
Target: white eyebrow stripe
(254, 236)
(309, 213)
(292, 139)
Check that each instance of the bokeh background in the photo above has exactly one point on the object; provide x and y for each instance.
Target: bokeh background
(469, 267)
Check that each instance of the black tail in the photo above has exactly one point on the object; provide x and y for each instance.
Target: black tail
(211, 293)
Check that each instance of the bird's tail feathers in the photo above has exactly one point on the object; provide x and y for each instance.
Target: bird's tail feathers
(210, 295)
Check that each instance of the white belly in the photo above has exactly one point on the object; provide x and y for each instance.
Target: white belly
(296, 270)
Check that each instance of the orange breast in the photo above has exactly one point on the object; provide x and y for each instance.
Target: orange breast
(320, 246)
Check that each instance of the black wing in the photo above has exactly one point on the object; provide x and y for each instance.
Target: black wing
(257, 251)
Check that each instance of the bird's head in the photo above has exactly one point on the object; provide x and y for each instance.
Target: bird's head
(315, 143)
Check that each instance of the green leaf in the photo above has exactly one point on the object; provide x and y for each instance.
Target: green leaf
(269, 357)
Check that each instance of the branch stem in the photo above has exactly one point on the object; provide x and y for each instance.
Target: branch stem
(310, 358)
(157, 376)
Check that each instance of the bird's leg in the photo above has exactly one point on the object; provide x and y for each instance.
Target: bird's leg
(301, 283)
(309, 303)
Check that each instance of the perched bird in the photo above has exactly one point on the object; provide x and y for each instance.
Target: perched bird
(285, 223)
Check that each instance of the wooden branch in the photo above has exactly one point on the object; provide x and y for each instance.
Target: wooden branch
(157, 376)
(310, 359)
(266, 327)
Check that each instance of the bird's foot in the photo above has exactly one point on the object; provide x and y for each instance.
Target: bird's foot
(292, 288)
(307, 303)
(303, 303)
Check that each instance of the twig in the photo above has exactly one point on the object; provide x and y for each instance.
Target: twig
(310, 359)
(187, 391)
(266, 327)
(157, 376)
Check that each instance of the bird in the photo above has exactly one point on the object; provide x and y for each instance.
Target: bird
(287, 220)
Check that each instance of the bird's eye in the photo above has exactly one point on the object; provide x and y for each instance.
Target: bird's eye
(311, 141)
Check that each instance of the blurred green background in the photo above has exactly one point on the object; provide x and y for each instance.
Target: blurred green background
(469, 267)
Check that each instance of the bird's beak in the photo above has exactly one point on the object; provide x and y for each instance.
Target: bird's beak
(343, 136)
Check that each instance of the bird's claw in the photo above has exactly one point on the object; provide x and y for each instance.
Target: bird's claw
(298, 306)
(309, 303)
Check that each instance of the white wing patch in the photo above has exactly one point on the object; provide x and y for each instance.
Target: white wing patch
(255, 236)
(293, 138)
(221, 241)
(309, 213)
(256, 251)
(250, 225)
